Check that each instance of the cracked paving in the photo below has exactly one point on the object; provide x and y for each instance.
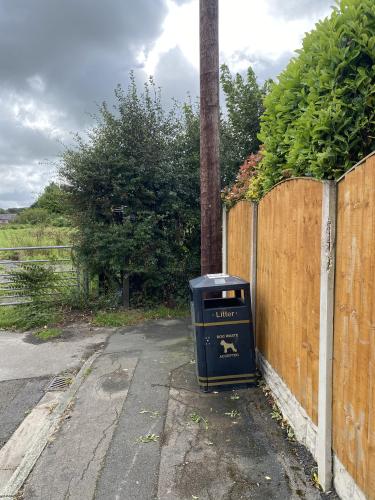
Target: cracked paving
(144, 383)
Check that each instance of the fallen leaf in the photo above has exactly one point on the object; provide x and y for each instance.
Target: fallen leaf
(148, 438)
(151, 413)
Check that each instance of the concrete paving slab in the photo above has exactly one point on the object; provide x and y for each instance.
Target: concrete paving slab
(69, 466)
(131, 469)
(21, 357)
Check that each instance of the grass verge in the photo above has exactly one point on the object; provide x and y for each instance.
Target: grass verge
(48, 333)
(27, 317)
(131, 317)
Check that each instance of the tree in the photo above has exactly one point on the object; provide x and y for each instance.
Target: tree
(50, 208)
(137, 163)
(240, 125)
(53, 199)
(33, 216)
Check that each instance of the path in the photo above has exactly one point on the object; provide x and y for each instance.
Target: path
(210, 446)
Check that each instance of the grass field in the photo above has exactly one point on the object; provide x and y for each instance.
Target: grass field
(27, 235)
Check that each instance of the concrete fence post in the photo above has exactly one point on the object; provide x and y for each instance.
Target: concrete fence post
(224, 265)
(253, 263)
(327, 280)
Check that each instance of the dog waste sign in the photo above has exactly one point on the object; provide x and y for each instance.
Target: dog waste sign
(223, 331)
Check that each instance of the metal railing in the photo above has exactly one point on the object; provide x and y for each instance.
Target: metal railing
(62, 266)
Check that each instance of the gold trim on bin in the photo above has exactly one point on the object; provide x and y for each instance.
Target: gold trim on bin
(224, 323)
(223, 377)
(227, 382)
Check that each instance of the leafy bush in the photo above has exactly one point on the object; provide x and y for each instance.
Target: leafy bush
(134, 188)
(38, 285)
(53, 199)
(319, 119)
(34, 281)
(240, 189)
(32, 216)
(240, 125)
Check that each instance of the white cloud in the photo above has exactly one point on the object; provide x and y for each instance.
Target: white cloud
(53, 73)
(32, 114)
(181, 30)
(248, 31)
(36, 83)
(31, 178)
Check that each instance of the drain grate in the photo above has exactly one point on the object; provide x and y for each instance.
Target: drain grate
(60, 383)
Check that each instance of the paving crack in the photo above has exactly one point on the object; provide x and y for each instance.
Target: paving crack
(67, 494)
(104, 436)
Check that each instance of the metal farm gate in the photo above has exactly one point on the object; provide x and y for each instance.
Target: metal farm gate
(59, 259)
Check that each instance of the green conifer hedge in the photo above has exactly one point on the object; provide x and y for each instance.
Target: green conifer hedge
(319, 118)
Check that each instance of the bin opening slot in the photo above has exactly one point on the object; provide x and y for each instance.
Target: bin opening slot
(229, 298)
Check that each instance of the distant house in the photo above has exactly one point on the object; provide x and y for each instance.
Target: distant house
(7, 218)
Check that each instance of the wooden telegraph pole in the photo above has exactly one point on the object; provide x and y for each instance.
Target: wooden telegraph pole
(209, 137)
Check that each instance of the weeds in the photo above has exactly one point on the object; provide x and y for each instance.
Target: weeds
(233, 414)
(197, 419)
(27, 317)
(234, 397)
(315, 478)
(87, 372)
(129, 317)
(148, 438)
(276, 413)
(48, 333)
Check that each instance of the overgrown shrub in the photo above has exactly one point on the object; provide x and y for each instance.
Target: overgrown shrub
(39, 286)
(32, 216)
(319, 119)
(240, 189)
(134, 189)
(240, 124)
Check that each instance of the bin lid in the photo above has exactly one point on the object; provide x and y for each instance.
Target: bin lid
(219, 280)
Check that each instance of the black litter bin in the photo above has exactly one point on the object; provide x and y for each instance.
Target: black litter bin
(223, 332)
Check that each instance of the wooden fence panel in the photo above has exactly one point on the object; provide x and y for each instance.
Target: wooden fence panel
(354, 327)
(240, 219)
(288, 285)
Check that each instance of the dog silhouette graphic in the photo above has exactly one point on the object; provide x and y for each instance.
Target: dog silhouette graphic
(228, 346)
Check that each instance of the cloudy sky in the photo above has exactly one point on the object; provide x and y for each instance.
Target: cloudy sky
(60, 58)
